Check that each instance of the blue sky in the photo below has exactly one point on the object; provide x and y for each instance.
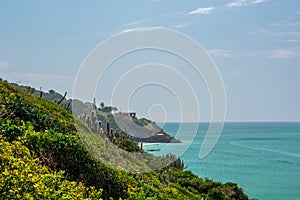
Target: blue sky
(254, 43)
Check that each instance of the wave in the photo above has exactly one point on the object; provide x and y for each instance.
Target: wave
(236, 143)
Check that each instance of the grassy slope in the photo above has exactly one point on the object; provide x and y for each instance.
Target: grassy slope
(107, 153)
(49, 133)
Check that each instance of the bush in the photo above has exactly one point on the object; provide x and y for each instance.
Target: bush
(68, 153)
(17, 105)
(215, 194)
(127, 145)
(11, 130)
(22, 177)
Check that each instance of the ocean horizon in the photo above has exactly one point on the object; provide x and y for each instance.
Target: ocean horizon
(261, 157)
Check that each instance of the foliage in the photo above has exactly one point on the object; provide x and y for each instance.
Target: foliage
(208, 187)
(108, 153)
(107, 109)
(127, 145)
(18, 105)
(216, 194)
(43, 155)
(142, 121)
(23, 177)
(102, 105)
(68, 153)
(152, 188)
(177, 162)
(12, 129)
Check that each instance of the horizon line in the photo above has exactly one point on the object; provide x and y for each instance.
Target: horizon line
(232, 121)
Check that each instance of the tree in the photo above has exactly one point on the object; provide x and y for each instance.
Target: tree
(102, 105)
(215, 194)
(109, 109)
(51, 91)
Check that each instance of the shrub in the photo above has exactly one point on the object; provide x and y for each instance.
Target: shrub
(11, 130)
(127, 145)
(22, 177)
(215, 194)
(68, 153)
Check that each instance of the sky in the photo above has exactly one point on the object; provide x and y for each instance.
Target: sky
(255, 45)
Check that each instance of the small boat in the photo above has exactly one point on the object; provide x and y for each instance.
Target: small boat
(153, 150)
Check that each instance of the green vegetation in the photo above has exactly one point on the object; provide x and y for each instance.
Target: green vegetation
(142, 121)
(44, 154)
(24, 177)
(127, 145)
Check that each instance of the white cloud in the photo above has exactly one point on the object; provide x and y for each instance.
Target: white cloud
(206, 10)
(3, 64)
(282, 54)
(181, 25)
(221, 52)
(257, 1)
(140, 29)
(132, 23)
(275, 54)
(239, 3)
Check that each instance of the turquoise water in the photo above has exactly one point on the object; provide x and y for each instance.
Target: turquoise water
(263, 158)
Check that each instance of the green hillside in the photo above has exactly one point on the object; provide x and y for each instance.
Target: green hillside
(44, 154)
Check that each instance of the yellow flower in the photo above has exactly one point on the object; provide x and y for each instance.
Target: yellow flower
(5, 172)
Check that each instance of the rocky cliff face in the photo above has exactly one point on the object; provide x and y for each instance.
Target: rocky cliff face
(138, 130)
(159, 137)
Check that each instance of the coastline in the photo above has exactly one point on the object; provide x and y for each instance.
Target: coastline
(151, 143)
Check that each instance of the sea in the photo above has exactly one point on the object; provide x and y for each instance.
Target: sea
(263, 158)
